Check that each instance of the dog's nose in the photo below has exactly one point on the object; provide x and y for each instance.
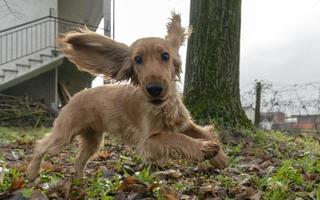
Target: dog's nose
(154, 89)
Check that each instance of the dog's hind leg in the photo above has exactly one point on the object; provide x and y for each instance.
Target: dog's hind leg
(89, 144)
(51, 143)
(163, 146)
(199, 132)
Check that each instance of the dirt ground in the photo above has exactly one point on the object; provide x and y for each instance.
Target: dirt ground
(263, 165)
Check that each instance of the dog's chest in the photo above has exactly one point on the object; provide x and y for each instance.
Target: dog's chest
(166, 118)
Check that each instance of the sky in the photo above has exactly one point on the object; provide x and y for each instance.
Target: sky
(280, 39)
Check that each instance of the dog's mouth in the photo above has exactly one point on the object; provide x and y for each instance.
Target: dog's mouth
(157, 102)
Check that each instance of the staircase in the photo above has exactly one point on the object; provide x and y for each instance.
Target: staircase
(30, 49)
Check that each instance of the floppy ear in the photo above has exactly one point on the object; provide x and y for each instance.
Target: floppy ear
(176, 34)
(96, 54)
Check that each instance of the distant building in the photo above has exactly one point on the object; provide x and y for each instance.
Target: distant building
(269, 120)
(250, 111)
(275, 117)
(307, 121)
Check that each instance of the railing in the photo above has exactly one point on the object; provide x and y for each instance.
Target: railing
(32, 37)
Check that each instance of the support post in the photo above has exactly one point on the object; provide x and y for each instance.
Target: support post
(258, 104)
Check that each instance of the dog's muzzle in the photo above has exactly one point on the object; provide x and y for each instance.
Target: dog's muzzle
(154, 89)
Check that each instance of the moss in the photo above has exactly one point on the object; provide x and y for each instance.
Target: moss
(223, 117)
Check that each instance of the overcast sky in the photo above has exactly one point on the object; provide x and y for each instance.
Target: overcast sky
(280, 39)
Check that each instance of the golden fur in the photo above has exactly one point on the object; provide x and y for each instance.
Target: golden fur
(158, 128)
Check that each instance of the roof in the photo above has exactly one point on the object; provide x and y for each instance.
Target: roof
(300, 116)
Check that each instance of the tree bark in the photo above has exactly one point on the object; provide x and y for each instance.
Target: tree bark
(211, 90)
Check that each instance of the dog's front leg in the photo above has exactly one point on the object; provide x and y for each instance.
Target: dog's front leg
(220, 160)
(162, 146)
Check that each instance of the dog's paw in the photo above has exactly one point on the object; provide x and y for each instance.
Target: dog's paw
(210, 149)
(220, 161)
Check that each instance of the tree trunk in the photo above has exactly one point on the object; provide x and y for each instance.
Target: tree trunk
(211, 90)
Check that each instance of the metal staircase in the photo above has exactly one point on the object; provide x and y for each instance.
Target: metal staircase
(30, 49)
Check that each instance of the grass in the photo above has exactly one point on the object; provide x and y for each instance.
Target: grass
(21, 134)
(276, 165)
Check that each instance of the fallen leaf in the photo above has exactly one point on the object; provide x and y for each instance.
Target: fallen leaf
(171, 173)
(136, 188)
(23, 167)
(168, 193)
(184, 197)
(17, 183)
(38, 195)
(47, 166)
(12, 156)
(207, 190)
(102, 155)
(153, 186)
(119, 196)
(311, 176)
(256, 196)
(242, 192)
(127, 183)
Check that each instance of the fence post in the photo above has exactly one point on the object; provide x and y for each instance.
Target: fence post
(258, 103)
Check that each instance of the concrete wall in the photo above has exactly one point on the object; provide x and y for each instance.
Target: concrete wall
(107, 12)
(24, 40)
(44, 86)
(41, 88)
(84, 11)
(72, 78)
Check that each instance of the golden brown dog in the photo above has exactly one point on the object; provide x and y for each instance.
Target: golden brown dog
(147, 114)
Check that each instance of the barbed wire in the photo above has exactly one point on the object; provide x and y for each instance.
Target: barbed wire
(291, 99)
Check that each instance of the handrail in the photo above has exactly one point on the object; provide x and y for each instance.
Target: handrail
(26, 23)
(34, 36)
(50, 17)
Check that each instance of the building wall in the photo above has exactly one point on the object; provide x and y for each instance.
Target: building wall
(83, 11)
(41, 88)
(17, 12)
(24, 40)
(72, 78)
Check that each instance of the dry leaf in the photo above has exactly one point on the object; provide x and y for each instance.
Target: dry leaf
(17, 183)
(102, 155)
(168, 193)
(47, 166)
(243, 192)
(130, 180)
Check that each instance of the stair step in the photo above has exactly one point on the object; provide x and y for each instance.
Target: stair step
(46, 55)
(55, 53)
(22, 65)
(9, 73)
(35, 60)
(10, 70)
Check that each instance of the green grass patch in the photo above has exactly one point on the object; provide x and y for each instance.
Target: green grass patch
(22, 134)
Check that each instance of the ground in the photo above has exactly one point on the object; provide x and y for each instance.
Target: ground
(263, 165)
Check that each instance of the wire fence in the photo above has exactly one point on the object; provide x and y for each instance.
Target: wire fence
(290, 105)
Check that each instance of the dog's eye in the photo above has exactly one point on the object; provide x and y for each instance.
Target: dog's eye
(165, 56)
(138, 59)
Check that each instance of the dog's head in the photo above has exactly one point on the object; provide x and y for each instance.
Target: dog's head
(153, 64)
